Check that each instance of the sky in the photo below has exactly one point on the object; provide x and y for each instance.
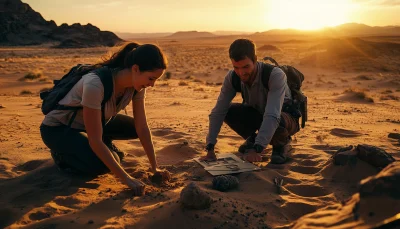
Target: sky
(154, 16)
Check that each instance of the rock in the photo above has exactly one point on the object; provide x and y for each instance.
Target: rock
(373, 155)
(192, 197)
(385, 183)
(225, 182)
(21, 25)
(394, 136)
(344, 157)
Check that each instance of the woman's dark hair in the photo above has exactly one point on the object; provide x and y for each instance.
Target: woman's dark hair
(242, 48)
(148, 57)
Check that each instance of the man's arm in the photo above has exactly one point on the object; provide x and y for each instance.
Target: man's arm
(218, 113)
(272, 114)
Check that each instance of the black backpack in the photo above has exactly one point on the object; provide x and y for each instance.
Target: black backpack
(298, 107)
(64, 85)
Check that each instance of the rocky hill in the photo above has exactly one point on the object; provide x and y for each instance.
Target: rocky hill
(21, 25)
(190, 35)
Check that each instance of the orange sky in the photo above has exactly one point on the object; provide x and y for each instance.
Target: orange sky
(151, 16)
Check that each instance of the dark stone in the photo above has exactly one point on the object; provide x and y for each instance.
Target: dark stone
(344, 157)
(394, 136)
(373, 155)
(225, 182)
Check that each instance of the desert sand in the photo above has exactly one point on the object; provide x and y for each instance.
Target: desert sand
(350, 102)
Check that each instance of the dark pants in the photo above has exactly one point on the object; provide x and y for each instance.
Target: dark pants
(246, 120)
(70, 148)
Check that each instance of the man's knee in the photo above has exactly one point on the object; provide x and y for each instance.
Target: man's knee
(281, 137)
(233, 111)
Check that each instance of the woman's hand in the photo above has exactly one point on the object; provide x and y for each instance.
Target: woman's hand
(164, 174)
(137, 186)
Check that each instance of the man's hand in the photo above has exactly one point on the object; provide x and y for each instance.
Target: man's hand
(210, 156)
(252, 156)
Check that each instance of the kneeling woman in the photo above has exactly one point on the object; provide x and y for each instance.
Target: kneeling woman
(85, 146)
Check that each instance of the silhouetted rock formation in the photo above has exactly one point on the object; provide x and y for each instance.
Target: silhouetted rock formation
(21, 25)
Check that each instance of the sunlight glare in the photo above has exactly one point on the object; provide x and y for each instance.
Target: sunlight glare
(306, 14)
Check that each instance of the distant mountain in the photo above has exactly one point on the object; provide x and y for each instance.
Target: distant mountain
(187, 34)
(21, 25)
(349, 29)
(190, 34)
(229, 33)
(354, 29)
(128, 36)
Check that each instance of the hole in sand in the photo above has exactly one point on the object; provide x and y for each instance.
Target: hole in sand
(307, 190)
(39, 215)
(305, 169)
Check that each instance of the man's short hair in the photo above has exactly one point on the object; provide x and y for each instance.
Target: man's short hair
(242, 48)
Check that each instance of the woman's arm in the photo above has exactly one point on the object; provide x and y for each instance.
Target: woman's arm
(94, 129)
(143, 131)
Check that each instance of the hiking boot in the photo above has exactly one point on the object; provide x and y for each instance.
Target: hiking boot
(248, 144)
(61, 165)
(121, 154)
(280, 153)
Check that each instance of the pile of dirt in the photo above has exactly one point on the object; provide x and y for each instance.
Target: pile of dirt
(269, 48)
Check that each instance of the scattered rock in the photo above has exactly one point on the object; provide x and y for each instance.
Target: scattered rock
(373, 155)
(385, 183)
(90, 222)
(225, 182)
(344, 157)
(192, 197)
(278, 182)
(1, 106)
(391, 135)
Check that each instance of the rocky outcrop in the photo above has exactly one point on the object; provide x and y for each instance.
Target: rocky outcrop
(376, 205)
(21, 25)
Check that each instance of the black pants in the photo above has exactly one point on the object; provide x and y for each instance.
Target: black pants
(246, 120)
(70, 147)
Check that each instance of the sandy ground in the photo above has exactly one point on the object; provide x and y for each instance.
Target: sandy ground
(34, 194)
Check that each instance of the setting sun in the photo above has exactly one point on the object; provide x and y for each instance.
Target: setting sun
(307, 14)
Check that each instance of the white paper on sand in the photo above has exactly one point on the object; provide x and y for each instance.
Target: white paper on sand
(226, 164)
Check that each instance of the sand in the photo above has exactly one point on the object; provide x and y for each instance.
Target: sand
(34, 194)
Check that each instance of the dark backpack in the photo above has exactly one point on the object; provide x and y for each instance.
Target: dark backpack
(64, 85)
(298, 107)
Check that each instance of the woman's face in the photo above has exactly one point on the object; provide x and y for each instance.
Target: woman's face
(146, 79)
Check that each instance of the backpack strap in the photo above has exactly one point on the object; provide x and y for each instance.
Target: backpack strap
(265, 73)
(105, 75)
(236, 82)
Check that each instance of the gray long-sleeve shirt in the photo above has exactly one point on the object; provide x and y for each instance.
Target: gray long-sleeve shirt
(268, 102)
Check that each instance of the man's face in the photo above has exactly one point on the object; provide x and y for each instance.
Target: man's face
(244, 68)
